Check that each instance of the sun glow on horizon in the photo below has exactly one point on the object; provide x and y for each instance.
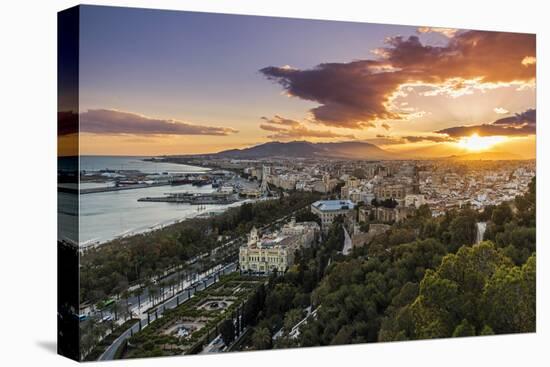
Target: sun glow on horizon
(478, 143)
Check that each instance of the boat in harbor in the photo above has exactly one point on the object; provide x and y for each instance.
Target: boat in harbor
(218, 198)
(201, 182)
(180, 181)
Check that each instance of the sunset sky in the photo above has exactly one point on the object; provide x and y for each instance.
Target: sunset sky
(165, 82)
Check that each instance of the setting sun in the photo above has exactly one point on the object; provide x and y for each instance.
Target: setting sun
(477, 143)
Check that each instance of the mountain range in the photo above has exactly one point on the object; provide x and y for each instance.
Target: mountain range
(305, 149)
(356, 150)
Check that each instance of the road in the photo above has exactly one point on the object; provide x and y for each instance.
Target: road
(145, 303)
(171, 303)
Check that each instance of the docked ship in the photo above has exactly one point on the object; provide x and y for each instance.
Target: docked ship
(201, 182)
(194, 198)
(180, 181)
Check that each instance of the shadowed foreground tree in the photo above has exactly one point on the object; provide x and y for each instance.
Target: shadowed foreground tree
(292, 317)
(510, 300)
(502, 214)
(424, 278)
(227, 330)
(475, 291)
(261, 339)
(463, 231)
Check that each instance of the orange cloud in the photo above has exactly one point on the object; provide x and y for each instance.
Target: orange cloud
(386, 139)
(520, 124)
(113, 122)
(287, 129)
(500, 110)
(447, 32)
(278, 120)
(358, 93)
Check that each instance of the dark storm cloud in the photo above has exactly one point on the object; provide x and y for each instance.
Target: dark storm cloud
(356, 93)
(491, 56)
(105, 121)
(521, 124)
(350, 95)
(489, 130)
(527, 117)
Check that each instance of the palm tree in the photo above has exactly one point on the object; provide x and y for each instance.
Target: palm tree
(98, 330)
(110, 324)
(124, 309)
(163, 285)
(153, 292)
(138, 293)
(125, 295)
(261, 339)
(115, 308)
(87, 336)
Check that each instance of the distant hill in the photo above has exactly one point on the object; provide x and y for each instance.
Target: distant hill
(450, 152)
(487, 156)
(304, 149)
(358, 150)
(434, 151)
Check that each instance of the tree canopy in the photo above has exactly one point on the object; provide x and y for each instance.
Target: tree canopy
(424, 278)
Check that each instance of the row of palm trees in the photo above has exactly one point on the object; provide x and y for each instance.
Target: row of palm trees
(159, 291)
(156, 292)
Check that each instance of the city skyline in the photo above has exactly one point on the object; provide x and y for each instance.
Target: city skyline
(235, 183)
(184, 83)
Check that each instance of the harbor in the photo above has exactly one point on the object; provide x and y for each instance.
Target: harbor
(194, 199)
(157, 194)
(131, 185)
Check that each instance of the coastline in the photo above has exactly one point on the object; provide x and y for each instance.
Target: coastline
(191, 161)
(144, 165)
(91, 244)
